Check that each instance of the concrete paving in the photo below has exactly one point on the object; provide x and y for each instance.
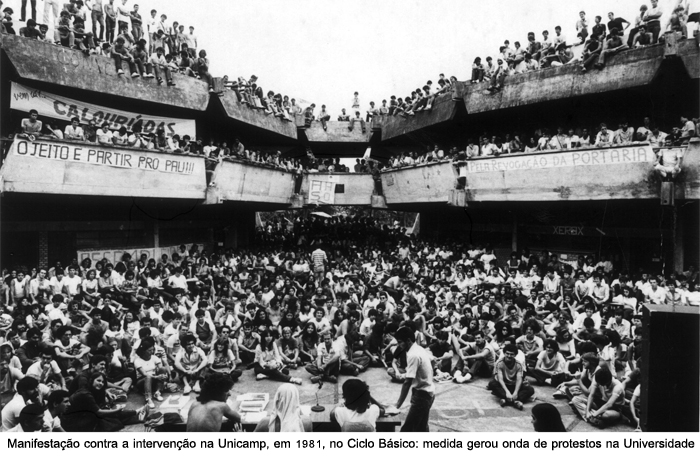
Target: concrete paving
(457, 408)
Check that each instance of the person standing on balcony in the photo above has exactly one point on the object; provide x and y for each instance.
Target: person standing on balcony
(652, 20)
(356, 102)
(24, 10)
(110, 20)
(136, 23)
(582, 27)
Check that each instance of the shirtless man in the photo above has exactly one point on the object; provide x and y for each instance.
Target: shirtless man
(208, 411)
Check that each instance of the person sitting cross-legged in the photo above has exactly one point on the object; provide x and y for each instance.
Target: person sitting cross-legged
(509, 384)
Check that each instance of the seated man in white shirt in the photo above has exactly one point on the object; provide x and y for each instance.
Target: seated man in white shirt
(74, 131)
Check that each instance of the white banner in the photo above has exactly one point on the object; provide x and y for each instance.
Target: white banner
(94, 154)
(575, 158)
(115, 255)
(24, 99)
(321, 192)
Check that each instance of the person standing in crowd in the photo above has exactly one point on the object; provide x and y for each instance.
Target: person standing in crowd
(419, 379)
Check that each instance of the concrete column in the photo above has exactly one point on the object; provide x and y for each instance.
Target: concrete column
(156, 233)
(43, 249)
(514, 239)
(678, 245)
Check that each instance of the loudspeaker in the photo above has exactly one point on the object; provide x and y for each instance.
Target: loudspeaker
(670, 359)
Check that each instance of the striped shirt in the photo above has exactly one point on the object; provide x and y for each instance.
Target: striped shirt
(318, 257)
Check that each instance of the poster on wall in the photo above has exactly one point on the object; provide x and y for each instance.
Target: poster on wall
(321, 192)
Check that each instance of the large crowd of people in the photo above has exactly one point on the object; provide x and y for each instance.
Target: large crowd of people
(334, 298)
(599, 44)
(542, 140)
(152, 47)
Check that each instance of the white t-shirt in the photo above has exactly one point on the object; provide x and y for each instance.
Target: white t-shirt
(178, 282)
(419, 367)
(72, 284)
(345, 415)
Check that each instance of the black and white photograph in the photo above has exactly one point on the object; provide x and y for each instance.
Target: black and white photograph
(367, 216)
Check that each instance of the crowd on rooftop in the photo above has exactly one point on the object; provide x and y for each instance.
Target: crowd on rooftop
(336, 299)
(599, 43)
(151, 46)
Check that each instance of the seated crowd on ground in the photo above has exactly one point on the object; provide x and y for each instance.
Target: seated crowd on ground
(490, 145)
(94, 331)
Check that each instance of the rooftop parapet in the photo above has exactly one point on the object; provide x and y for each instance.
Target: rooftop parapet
(45, 62)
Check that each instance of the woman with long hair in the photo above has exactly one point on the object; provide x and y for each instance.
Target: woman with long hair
(90, 411)
(359, 412)
(546, 418)
(222, 360)
(286, 413)
(308, 340)
(268, 362)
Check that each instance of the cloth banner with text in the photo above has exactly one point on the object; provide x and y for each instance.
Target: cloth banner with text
(23, 98)
(635, 153)
(98, 155)
(115, 255)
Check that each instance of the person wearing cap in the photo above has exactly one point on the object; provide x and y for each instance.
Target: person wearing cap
(159, 65)
(74, 131)
(32, 125)
(30, 31)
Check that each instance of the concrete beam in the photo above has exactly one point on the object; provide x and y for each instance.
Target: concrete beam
(595, 174)
(444, 109)
(40, 61)
(62, 167)
(256, 117)
(628, 69)
(244, 182)
(425, 183)
(357, 187)
(337, 132)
